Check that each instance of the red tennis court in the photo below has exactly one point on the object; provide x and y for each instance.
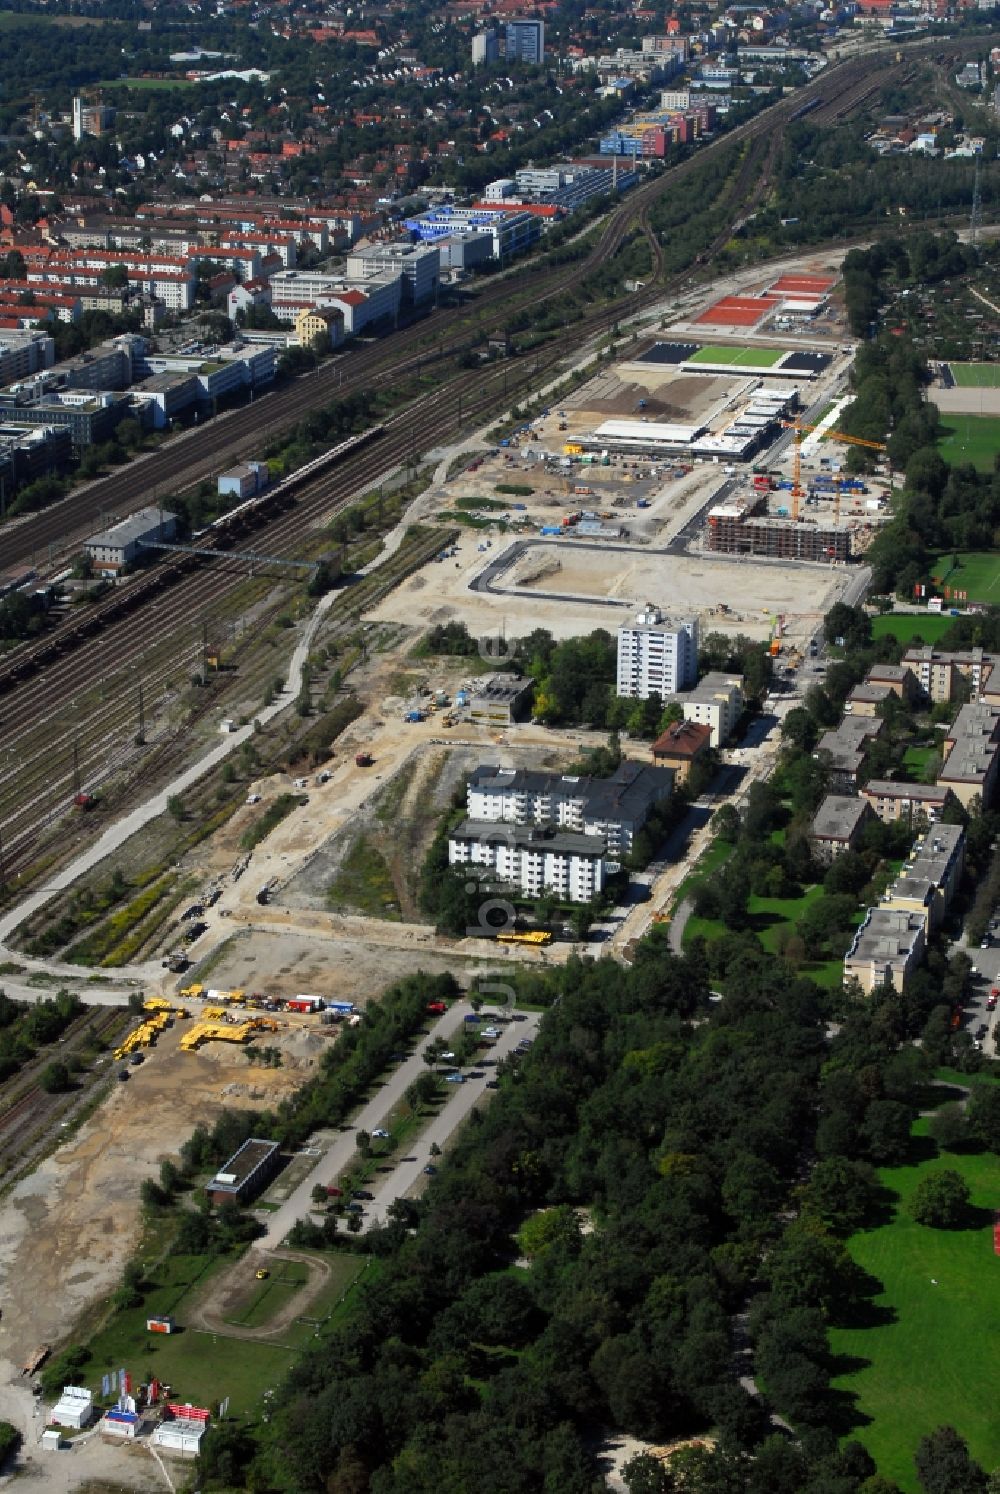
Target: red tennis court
(738, 311)
(816, 285)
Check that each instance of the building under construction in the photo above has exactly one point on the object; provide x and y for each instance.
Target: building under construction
(737, 528)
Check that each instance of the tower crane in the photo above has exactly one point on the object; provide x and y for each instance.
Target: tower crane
(800, 426)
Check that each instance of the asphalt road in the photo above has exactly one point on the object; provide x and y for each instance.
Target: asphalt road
(339, 1157)
(986, 963)
(409, 1171)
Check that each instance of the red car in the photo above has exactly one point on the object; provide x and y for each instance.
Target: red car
(437, 1008)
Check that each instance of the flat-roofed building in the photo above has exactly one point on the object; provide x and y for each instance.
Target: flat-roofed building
(899, 677)
(122, 544)
(656, 656)
(838, 826)
(536, 859)
(897, 799)
(886, 949)
(845, 750)
(247, 1173)
(614, 808)
(419, 266)
(499, 699)
(244, 480)
(971, 750)
(929, 878)
(866, 698)
(717, 702)
(938, 670)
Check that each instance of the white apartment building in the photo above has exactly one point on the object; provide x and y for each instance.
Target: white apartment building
(24, 353)
(612, 809)
(657, 657)
(375, 299)
(534, 859)
(717, 702)
(418, 264)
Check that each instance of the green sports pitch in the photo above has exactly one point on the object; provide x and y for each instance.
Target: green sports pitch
(973, 439)
(978, 573)
(739, 357)
(976, 375)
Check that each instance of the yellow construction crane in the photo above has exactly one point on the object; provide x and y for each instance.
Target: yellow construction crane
(799, 426)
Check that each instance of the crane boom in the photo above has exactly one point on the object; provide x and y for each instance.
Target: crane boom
(799, 426)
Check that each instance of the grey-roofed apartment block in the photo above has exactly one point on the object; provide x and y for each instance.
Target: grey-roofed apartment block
(615, 807)
(887, 948)
(838, 825)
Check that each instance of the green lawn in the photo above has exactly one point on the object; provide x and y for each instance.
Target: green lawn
(200, 1367)
(286, 1279)
(739, 357)
(970, 438)
(917, 758)
(768, 917)
(933, 1362)
(147, 84)
(978, 573)
(204, 1367)
(268, 1297)
(976, 375)
(930, 626)
(717, 855)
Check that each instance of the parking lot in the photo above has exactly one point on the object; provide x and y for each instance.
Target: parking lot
(978, 1013)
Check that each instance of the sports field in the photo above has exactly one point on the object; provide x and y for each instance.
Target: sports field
(739, 357)
(909, 625)
(970, 438)
(978, 573)
(976, 375)
(927, 1353)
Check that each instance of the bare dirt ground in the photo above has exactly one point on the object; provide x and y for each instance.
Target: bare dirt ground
(680, 583)
(341, 961)
(959, 401)
(73, 1223)
(400, 821)
(681, 399)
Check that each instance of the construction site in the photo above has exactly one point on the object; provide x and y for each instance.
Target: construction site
(823, 515)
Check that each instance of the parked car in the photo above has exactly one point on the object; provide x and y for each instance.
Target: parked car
(380, 1134)
(253, 798)
(362, 1193)
(355, 1209)
(454, 1078)
(430, 1169)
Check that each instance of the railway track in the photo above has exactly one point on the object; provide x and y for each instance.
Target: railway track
(25, 1122)
(164, 630)
(182, 463)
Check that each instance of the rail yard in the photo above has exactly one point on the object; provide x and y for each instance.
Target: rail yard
(654, 449)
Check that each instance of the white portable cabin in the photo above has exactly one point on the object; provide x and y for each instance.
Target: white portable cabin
(74, 1407)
